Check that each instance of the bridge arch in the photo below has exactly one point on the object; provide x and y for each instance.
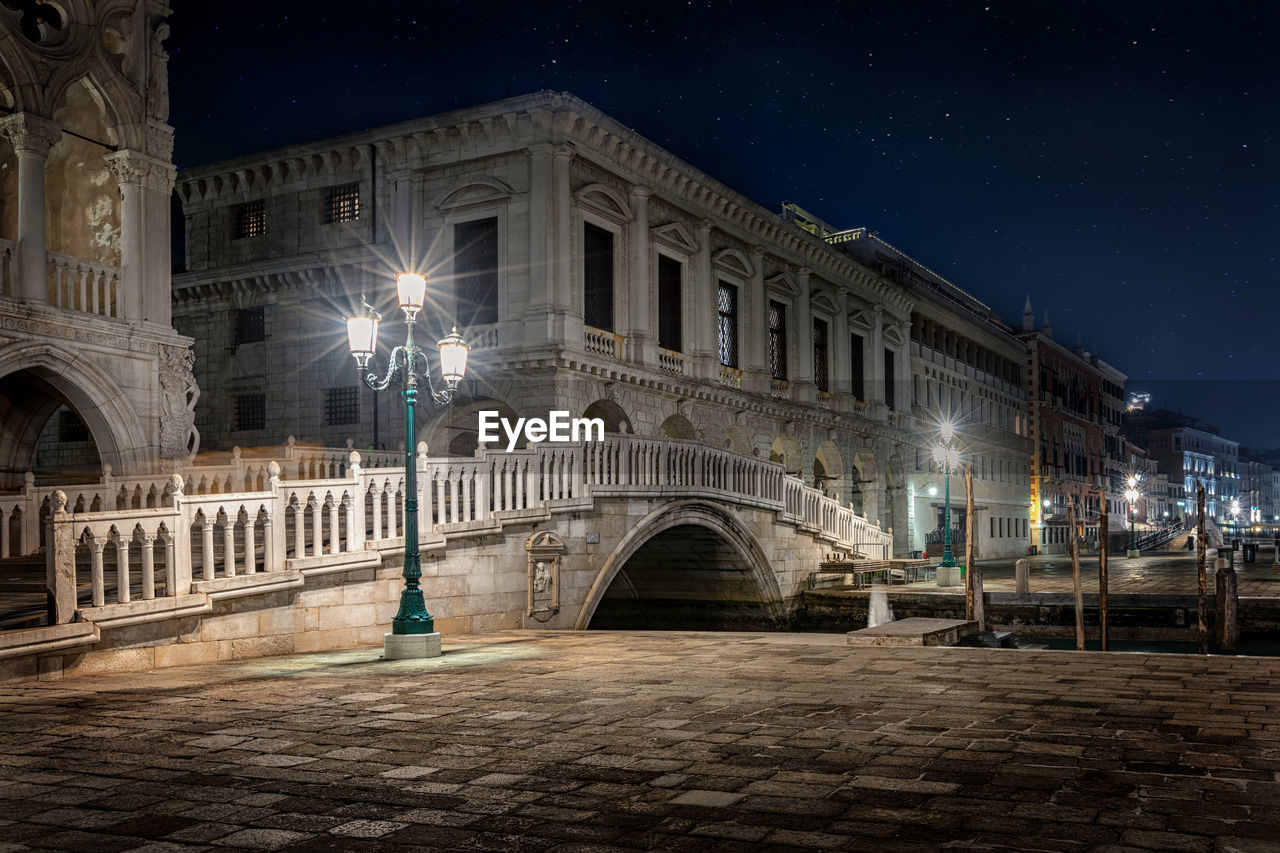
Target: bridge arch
(706, 519)
(36, 379)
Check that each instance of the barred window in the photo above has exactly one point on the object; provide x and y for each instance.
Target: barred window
(597, 275)
(251, 325)
(475, 268)
(670, 319)
(727, 322)
(342, 405)
(251, 219)
(342, 204)
(821, 377)
(251, 412)
(71, 427)
(777, 340)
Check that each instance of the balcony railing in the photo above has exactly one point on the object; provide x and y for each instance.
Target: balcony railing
(730, 377)
(671, 361)
(80, 285)
(600, 342)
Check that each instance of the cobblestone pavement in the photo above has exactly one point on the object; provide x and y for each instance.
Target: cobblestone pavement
(674, 741)
(1156, 574)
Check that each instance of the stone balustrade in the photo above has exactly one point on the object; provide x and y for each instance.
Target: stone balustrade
(77, 284)
(181, 543)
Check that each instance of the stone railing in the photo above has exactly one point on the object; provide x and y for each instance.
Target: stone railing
(730, 377)
(601, 342)
(80, 285)
(483, 338)
(671, 361)
(228, 544)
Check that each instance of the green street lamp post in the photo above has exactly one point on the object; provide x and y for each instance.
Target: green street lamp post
(1131, 494)
(948, 458)
(412, 630)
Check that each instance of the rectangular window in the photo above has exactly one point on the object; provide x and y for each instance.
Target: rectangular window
(727, 323)
(342, 406)
(670, 326)
(993, 527)
(251, 219)
(821, 376)
(71, 427)
(855, 367)
(251, 412)
(777, 340)
(475, 272)
(597, 277)
(888, 378)
(342, 204)
(251, 325)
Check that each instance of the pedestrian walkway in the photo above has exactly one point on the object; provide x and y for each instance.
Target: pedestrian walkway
(1156, 574)
(599, 741)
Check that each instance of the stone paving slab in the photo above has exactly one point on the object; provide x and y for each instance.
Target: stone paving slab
(603, 741)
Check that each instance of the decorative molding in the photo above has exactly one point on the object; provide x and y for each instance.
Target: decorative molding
(30, 134)
(474, 190)
(732, 261)
(677, 236)
(604, 199)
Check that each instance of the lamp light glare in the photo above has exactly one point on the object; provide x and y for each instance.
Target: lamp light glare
(948, 431)
(362, 337)
(933, 490)
(412, 290)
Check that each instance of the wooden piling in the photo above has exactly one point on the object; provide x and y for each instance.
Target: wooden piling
(1075, 572)
(1202, 621)
(1104, 529)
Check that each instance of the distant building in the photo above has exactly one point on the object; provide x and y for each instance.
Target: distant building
(1257, 490)
(1076, 401)
(966, 367)
(1193, 453)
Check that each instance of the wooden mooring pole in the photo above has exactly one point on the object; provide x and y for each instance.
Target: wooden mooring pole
(1104, 528)
(1202, 619)
(1075, 572)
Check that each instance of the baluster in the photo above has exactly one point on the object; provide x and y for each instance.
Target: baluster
(468, 514)
(148, 566)
(268, 545)
(351, 523)
(250, 546)
(317, 528)
(228, 546)
(335, 545)
(206, 550)
(299, 530)
(97, 584)
(377, 514)
(122, 568)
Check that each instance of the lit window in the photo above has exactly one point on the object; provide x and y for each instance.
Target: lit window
(342, 204)
(251, 219)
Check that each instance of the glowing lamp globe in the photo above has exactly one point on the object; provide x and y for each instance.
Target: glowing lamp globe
(453, 358)
(362, 337)
(412, 291)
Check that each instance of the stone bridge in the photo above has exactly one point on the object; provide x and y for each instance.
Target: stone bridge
(251, 558)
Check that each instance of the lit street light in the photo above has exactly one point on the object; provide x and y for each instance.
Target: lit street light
(412, 630)
(948, 458)
(1131, 494)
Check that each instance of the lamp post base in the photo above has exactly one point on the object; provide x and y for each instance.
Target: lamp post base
(948, 576)
(410, 646)
(1133, 552)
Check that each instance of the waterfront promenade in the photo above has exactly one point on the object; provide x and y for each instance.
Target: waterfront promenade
(601, 741)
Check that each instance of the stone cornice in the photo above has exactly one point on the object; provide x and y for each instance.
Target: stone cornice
(547, 118)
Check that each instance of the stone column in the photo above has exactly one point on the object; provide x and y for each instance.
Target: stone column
(566, 298)
(803, 377)
(902, 370)
(841, 381)
(641, 329)
(60, 562)
(538, 324)
(148, 566)
(756, 334)
(145, 186)
(706, 348)
(32, 138)
(875, 388)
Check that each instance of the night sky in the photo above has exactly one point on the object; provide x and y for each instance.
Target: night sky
(1117, 162)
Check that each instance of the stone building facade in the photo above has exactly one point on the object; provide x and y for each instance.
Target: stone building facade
(85, 184)
(590, 271)
(1076, 404)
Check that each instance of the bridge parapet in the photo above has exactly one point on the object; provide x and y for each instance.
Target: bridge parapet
(239, 543)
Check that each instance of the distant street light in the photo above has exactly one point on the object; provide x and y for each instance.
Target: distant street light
(948, 458)
(1131, 494)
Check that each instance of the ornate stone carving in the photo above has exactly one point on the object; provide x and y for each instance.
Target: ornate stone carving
(179, 437)
(136, 168)
(158, 75)
(545, 549)
(30, 134)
